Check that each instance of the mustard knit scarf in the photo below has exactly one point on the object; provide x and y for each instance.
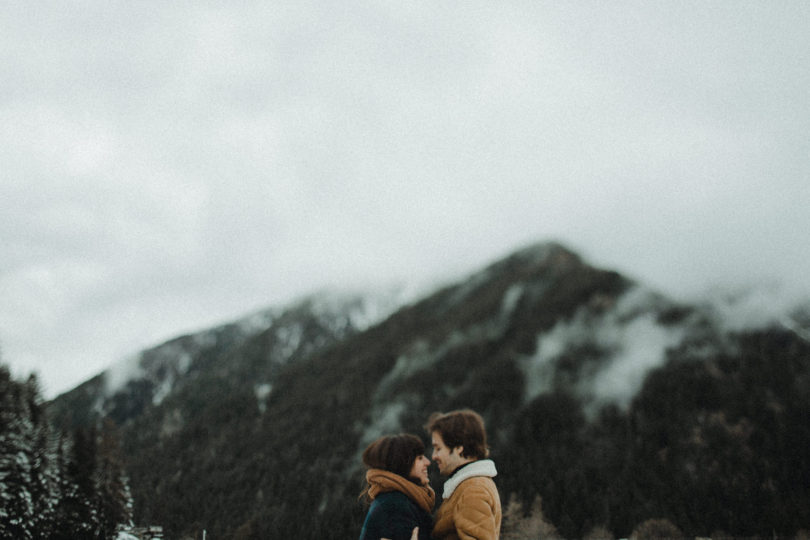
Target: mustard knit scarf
(380, 481)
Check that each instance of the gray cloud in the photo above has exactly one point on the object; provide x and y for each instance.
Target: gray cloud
(167, 167)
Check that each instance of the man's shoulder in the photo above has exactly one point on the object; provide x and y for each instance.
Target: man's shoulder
(477, 486)
(476, 482)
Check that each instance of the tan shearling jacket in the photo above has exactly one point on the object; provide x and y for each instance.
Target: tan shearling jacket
(471, 509)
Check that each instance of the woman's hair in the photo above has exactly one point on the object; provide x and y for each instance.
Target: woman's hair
(394, 453)
(461, 428)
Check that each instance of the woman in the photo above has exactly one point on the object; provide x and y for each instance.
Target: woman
(397, 486)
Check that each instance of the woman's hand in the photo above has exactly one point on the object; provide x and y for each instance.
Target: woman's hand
(414, 534)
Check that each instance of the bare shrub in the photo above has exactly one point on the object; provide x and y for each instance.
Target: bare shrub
(518, 524)
(654, 529)
(599, 533)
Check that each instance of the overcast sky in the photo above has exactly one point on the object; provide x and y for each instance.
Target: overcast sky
(167, 166)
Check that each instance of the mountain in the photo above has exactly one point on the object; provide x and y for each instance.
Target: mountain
(612, 403)
(139, 384)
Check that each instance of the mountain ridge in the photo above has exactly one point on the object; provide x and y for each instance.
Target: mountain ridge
(557, 355)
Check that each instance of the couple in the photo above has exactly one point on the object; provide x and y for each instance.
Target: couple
(401, 498)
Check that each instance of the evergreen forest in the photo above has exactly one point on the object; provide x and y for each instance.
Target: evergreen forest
(54, 484)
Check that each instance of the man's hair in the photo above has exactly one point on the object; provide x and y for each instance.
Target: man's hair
(461, 428)
(394, 453)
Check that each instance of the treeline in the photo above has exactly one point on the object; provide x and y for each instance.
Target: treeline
(56, 484)
(715, 444)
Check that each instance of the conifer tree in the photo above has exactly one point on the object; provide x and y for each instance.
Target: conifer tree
(43, 486)
(65, 512)
(114, 497)
(17, 509)
(77, 511)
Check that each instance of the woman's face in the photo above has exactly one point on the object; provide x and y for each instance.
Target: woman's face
(419, 470)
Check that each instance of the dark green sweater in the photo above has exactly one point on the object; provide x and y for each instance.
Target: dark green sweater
(394, 515)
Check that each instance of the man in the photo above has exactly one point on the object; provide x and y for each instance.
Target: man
(471, 506)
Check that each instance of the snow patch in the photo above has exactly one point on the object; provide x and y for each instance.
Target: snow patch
(419, 358)
(183, 363)
(511, 299)
(173, 357)
(121, 372)
(791, 324)
(262, 392)
(204, 340)
(756, 307)
(469, 285)
(368, 313)
(385, 421)
(172, 423)
(163, 390)
(640, 346)
(538, 369)
(256, 322)
(360, 311)
(289, 339)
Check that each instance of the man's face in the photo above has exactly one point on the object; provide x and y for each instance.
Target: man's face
(448, 459)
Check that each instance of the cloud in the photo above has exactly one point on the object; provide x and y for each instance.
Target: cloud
(627, 341)
(167, 167)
